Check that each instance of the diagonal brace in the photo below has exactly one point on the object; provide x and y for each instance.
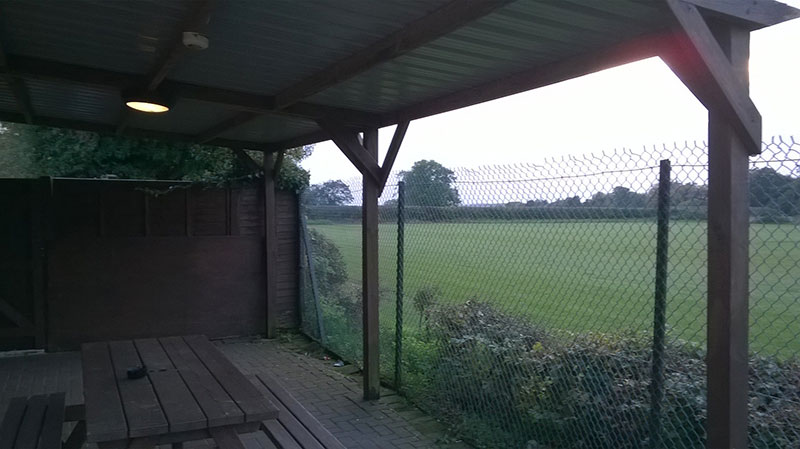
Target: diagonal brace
(697, 58)
(391, 155)
(348, 142)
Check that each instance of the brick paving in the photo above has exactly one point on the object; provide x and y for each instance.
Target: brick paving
(332, 396)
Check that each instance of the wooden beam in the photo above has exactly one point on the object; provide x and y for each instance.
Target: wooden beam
(391, 155)
(105, 129)
(728, 273)
(247, 160)
(276, 171)
(347, 141)
(644, 47)
(270, 247)
(18, 89)
(196, 20)
(225, 126)
(752, 13)
(696, 57)
(369, 269)
(14, 316)
(295, 142)
(35, 68)
(440, 22)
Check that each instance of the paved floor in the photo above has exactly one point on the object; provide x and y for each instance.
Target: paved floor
(332, 395)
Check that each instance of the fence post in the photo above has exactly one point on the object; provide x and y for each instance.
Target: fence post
(659, 310)
(401, 224)
(312, 274)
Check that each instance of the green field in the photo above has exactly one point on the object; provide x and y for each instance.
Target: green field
(584, 276)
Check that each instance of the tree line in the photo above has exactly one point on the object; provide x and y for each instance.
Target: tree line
(430, 184)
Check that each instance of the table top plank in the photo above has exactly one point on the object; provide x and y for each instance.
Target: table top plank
(180, 407)
(11, 422)
(255, 406)
(139, 400)
(50, 436)
(218, 406)
(32, 422)
(105, 419)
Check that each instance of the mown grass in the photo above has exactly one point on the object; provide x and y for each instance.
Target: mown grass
(585, 276)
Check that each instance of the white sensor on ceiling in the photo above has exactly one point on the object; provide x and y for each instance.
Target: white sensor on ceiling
(194, 41)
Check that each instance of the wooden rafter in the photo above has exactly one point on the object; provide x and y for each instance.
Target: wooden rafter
(449, 17)
(696, 57)
(391, 155)
(196, 20)
(247, 160)
(544, 75)
(760, 13)
(348, 141)
(100, 128)
(220, 128)
(35, 68)
(18, 89)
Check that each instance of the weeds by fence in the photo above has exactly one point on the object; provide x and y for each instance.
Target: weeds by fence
(528, 317)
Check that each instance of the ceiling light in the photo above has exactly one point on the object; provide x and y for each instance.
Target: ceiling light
(149, 102)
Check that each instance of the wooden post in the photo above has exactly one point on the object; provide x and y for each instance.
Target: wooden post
(369, 261)
(270, 246)
(728, 240)
(40, 202)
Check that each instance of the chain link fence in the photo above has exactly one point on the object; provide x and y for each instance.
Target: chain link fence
(539, 309)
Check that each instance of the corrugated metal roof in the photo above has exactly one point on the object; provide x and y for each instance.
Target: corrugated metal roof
(271, 128)
(74, 102)
(187, 117)
(120, 36)
(264, 47)
(521, 35)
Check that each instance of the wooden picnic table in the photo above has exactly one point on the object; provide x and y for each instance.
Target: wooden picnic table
(191, 391)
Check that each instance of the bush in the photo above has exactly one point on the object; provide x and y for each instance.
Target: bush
(502, 382)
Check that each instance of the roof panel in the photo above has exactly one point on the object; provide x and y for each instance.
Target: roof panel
(121, 36)
(74, 101)
(7, 100)
(271, 128)
(520, 36)
(187, 117)
(265, 46)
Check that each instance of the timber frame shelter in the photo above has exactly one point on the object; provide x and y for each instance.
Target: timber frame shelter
(279, 75)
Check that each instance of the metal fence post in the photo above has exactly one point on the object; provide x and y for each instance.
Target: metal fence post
(659, 310)
(401, 224)
(312, 275)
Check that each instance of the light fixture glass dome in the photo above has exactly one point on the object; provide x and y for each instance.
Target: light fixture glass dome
(149, 102)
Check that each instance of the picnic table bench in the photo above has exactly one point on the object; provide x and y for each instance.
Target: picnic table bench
(36, 422)
(190, 391)
(295, 427)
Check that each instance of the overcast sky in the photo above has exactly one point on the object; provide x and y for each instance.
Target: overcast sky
(631, 106)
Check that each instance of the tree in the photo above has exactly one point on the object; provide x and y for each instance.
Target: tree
(773, 190)
(29, 151)
(330, 193)
(429, 183)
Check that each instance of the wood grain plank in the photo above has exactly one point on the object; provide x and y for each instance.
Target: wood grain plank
(31, 425)
(11, 422)
(139, 400)
(179, 406)
(255, 406)
(218, 406)
(105, 419)
(50, 436)
(296, 409)
(226, 438)
(298, 431)
(279, 435)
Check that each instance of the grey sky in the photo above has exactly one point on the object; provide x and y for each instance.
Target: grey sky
(639, 104)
